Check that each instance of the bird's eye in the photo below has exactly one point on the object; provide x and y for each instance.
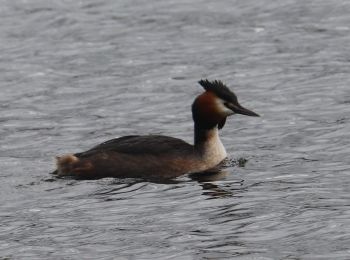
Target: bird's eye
(228, 105)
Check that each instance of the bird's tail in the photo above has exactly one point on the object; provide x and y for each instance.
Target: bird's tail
(64, 164)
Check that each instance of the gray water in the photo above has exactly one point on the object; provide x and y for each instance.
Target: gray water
(77, 73)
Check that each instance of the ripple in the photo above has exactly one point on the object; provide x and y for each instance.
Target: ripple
(76, 74)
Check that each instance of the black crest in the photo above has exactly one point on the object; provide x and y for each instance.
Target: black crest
(219, 89)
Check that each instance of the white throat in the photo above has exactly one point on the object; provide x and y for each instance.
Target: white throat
(213, 151)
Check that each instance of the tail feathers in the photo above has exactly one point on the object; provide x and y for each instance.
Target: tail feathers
(65, 164)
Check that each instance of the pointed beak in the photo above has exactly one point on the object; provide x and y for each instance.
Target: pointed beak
(238, 109)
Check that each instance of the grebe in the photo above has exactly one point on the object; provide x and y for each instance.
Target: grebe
(156, 156)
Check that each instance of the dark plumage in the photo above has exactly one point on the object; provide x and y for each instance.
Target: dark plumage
(141, 144)
(220, 89)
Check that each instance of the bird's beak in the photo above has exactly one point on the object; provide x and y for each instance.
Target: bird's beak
(238, 109)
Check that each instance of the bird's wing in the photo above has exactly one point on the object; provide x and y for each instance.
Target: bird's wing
(136, 144)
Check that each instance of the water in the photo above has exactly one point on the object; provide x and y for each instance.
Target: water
(77, 73)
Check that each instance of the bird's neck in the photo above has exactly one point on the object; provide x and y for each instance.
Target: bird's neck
(207, 142)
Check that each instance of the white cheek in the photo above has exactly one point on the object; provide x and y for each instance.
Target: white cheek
(222, 109)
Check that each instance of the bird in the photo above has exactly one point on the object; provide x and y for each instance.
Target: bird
(158, 156)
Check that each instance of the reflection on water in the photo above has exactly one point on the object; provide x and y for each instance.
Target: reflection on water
(77, 73)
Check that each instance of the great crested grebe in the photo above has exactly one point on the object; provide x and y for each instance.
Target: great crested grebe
(156, 156)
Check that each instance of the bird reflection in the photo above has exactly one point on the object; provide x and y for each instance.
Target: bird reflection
(207, 181)
(212, 182)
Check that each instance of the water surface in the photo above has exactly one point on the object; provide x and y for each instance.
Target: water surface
(77, 73)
